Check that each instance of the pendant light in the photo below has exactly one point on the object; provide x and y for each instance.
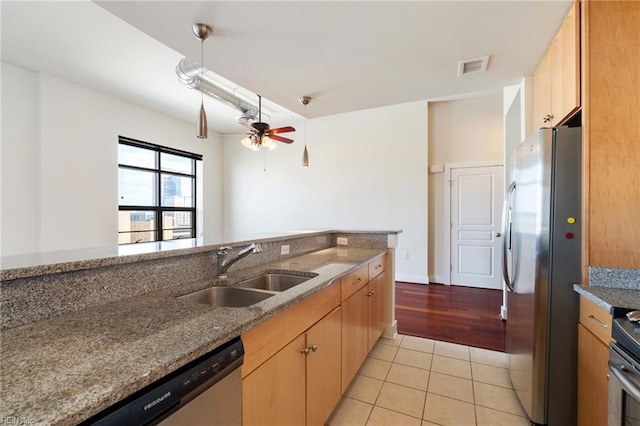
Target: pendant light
(202, 32)
(304, 100)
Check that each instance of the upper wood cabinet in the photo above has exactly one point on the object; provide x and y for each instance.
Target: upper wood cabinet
(611, 134)
(556, 81)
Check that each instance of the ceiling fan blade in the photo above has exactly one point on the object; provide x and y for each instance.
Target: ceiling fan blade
(281, 139)
(281, 130)
(250, 127)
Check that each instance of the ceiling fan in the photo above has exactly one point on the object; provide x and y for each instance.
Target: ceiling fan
(262, 135)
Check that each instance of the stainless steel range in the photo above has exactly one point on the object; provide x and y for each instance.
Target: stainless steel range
(624, 371)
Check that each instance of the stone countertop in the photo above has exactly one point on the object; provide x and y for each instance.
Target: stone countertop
(66, 369)
(612, 288)
(610, 298)
(37, 264)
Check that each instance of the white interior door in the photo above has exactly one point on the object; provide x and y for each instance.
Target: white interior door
(476, 242)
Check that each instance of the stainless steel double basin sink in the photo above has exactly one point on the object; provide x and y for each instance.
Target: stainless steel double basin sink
(247, 292)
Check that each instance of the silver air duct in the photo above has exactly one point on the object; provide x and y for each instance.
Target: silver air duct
(189, 75)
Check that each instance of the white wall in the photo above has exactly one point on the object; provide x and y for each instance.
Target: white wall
(460, 131)
(20, 220)
(74, 139)
(367, 171)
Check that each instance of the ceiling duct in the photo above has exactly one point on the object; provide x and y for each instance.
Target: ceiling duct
(189, 74)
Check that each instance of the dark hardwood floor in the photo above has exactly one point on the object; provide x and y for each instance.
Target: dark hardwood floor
(464, 315)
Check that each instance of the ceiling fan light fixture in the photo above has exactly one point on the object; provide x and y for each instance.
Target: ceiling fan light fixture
(267, 142)
(261, 135)
(247, 142)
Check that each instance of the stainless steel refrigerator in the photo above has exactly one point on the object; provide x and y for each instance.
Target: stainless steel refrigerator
(541, 263)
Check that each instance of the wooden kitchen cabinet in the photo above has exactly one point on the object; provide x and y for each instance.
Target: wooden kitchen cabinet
(274, 393)
(593, 392)
(301, 383)
(355, 334)
(542, 92)
(276, 368)
(362, 317)
(594, 334)
(611, 131)
(556, 81)
(323, 368)
(376, 313)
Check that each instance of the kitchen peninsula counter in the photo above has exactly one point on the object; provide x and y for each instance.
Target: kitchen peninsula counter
(69, 367)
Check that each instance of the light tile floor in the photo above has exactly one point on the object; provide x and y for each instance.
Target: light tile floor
(415, 381)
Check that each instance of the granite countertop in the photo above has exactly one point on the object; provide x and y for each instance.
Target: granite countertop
(70, 367)
(610, 298)
(36, 264)
(612, 288)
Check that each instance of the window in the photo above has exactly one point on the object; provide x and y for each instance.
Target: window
(156, 192)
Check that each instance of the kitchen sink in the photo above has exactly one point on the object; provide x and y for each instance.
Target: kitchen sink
(274, 281)
(232, 297)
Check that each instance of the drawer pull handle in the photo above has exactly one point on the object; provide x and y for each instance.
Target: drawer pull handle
(314, 348)
(600, 323)
(357, 281)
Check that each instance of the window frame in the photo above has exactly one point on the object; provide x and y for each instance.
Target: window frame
(158, 209)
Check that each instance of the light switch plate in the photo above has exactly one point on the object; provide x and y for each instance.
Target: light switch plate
(284, 249)
(342, 241)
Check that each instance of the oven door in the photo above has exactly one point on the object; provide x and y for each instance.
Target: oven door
(624, 389)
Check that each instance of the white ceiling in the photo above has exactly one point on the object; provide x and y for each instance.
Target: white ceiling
(347, 55)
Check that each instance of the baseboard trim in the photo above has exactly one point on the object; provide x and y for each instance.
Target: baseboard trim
(436, 279)
(391, 331)
(419, 279)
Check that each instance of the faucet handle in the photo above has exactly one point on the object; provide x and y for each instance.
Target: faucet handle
(224, 250)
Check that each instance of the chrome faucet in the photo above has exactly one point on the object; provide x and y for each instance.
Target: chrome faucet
(223, 265)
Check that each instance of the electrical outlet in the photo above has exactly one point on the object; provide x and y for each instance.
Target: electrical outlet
(342, 241)
(284, 249)
(405, 254)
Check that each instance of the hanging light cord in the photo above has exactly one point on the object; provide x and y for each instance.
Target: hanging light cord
(201, 70)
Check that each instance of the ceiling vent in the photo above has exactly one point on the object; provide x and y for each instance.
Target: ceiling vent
(469, 66)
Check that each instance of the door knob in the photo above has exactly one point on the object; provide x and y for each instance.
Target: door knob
(498, 234)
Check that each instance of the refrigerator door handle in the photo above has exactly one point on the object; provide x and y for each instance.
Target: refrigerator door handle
(506, 241)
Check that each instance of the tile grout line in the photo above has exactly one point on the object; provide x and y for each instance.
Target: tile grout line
(430, 372)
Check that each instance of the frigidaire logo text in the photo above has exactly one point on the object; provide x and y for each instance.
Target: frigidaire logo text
(157, 401)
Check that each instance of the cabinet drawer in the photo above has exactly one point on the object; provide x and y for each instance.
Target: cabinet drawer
(596, 319)
(376, 267)
(354, 282)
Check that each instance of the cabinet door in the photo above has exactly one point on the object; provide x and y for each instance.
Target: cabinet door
(565, 97)
(323, 368)
(355, 334)
(542, 92)
(593, 392)
(376, 323)
(274, 393)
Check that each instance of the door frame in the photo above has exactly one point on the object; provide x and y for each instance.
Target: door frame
(447, 209)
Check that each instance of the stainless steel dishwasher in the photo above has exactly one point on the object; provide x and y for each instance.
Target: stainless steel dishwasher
(207, 391)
